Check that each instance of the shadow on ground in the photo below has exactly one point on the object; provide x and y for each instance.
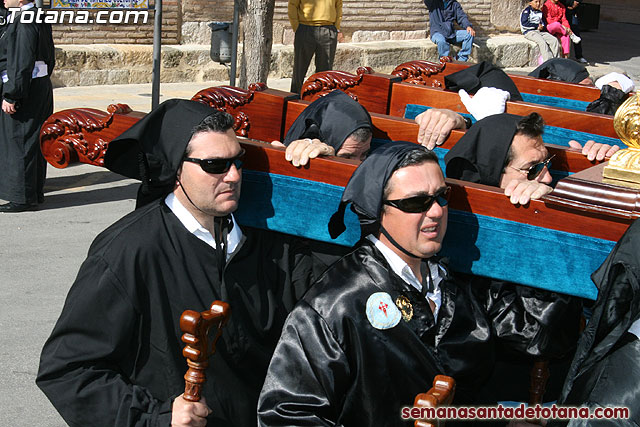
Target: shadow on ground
(611, 42)
(89, 196)
(74, 181)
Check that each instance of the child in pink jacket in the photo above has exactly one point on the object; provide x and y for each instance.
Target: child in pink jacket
(557, 24)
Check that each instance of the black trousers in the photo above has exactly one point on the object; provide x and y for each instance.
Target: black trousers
(310, 40)
(22, 166)
(574, 22)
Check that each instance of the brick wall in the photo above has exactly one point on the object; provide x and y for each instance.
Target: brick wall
(182, 17)
(207, 10)
(385, 15)
(129, 33)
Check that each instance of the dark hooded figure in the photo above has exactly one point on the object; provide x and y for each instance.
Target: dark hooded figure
(610, 99)
(27, 59)
(565, 70)
(151, 151)
(481, 156)
(605, 371)
(115, 354)
(380, 323)
(332, 119)
(480, 75)
(481, 153)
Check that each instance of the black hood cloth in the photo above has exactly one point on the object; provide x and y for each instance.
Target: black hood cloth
(479, 156)
(481, 75)
(565, 70)
(152, 149)
(366, 185)
(331, 119)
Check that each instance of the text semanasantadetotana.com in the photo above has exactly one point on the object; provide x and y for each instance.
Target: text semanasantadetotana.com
(521, 412)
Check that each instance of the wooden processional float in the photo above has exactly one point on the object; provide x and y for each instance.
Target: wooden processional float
(556, 242)
(572, 229)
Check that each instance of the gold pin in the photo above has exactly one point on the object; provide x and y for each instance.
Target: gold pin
(405, 307)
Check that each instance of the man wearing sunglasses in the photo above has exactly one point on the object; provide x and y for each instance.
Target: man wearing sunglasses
(379, 324)
(507, 151)
(504, 151)
(115, 355)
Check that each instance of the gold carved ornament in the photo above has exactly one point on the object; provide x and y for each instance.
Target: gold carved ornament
(624, 165)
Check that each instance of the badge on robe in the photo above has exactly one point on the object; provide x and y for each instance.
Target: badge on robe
(405, 307)
(382, 311)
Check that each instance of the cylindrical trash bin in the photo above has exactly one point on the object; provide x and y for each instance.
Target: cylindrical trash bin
(220, 41)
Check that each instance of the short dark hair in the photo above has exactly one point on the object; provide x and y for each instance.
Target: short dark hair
(361, 135)
(218, 121)
(412, 158)
(531, 126)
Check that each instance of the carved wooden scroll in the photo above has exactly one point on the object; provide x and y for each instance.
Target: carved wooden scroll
(420, 72)
(441, 394)
(324, 82)
(228, 98)
(525, 84)
(258, 113)
(83, 134)
(196, 328)
(371, 90)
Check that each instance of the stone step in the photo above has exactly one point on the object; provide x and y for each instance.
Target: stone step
(98, 64)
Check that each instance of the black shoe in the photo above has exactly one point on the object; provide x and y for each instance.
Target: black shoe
(17, 207)
(41, 199)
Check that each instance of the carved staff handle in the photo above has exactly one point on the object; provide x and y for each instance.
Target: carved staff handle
(196, 328)
(441, 394)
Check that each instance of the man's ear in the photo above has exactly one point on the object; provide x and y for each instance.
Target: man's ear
(178, 176)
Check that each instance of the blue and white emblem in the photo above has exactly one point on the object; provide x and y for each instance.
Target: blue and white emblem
(382, 311)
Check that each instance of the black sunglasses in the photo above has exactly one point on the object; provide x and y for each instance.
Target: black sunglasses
(217, 166)
(534, 171)
(422, 203)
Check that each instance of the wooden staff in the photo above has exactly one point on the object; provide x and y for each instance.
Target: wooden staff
(196, 327)
(441, 394)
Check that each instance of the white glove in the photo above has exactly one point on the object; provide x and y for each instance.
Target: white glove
(486, 102)
(626, 84)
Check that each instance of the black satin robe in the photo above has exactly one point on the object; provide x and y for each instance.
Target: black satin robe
(610, 99)
(332, 367)
(606, 367)
(22, 166)
(114, 357)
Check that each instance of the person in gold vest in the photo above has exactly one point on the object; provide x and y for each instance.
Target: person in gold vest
(317, 27)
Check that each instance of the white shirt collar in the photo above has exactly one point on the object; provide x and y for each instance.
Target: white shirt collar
(635, 328)
(28, 6)
(403, 270)
(194, 227)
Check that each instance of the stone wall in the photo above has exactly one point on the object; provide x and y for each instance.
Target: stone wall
(81, 65)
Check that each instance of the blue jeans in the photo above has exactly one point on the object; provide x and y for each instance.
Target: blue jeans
(462, 36)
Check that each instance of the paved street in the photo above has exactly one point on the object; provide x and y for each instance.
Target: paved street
(40, 252)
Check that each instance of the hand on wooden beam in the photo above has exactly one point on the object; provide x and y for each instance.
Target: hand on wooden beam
(300, 151)
(522, 191)
(436, 124)
(594, 150)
